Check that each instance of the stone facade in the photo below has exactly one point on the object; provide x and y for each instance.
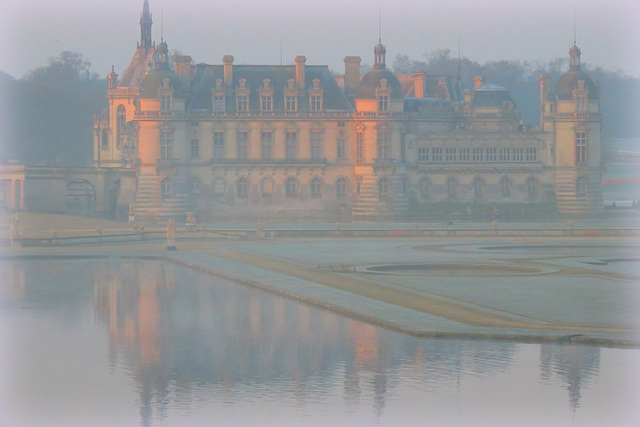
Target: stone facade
(294, 141)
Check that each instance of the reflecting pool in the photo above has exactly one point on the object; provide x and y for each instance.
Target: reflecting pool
(122, 343)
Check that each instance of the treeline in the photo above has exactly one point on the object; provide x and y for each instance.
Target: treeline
(619, 94)
(47, 115)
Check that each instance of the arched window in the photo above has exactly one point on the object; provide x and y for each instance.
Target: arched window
(505, 187)
(316, 187)
(341, 187)
(452, 188)
(383, 188)
(581, 188)
(425, 188)
(121, 115)
(167, 187)
(532, 188)
(242, 188)
(266, 188)
(291, 188)
(478, 188)
(219, 187)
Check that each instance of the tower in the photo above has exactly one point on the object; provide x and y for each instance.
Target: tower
(576, 124)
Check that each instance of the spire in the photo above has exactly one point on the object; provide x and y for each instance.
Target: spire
(145, 26)
(379, 50)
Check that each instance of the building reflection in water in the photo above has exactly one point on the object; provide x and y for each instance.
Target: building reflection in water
(574, 366)
(179, 331)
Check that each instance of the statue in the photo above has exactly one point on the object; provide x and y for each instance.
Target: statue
(171, 235)
(192, 223)
(14, 231)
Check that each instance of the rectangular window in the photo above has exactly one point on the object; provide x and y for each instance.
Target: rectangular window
(359, 147)
(242, 145)
(532, 154)
(384, 146)
(464, 154)
(291, 146)
(450, 155)
(518, 154)
(436, 154)
(242, 103)
(505, 154)
(477, 154)
(217, 103)
(266, 145)
(383, 103)
(195, 148)
(316, 103)
(492, 154)
(166, 145)
(316, 145)
(218, 145)
(266, 103)
(165, 102)
(581, 104)
(423, 154)
(581, 148)
(341, 149)
(291, 103)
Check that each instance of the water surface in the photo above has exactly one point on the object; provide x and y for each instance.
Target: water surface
(119, 343)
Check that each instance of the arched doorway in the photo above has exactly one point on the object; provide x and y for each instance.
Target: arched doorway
(80, 198)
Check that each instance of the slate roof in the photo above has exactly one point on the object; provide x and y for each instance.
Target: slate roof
(205, 77)
(490, 95)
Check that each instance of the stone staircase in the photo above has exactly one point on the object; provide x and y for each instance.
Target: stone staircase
(367, 206)
(151, 206)
(568, 202)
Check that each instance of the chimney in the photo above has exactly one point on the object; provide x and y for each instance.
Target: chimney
(351, 74)
(477, 81)
(300, 61)
(228, 70)
(418, 84)
(183, 65)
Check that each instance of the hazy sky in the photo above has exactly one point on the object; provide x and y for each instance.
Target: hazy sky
(325, 31)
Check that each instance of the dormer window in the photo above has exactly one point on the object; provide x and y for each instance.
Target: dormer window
(166, 94)
(218, 96)
(242, 96)
(580, 95)
(266, 103)
(266, 96)
(383, 103)
(290, 103)
(383, 95)
(315, 96)
(316, 102)
(291, 96)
